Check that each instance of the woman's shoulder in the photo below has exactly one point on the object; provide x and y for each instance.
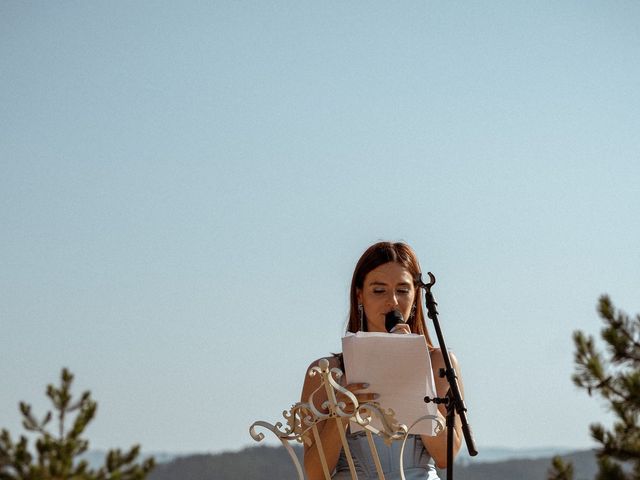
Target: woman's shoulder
(437, 359)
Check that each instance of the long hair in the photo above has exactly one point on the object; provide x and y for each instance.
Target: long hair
(379, 254)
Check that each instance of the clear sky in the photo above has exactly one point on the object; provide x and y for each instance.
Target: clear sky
(185, 189)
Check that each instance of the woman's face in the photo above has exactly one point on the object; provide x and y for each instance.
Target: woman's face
(386, 288)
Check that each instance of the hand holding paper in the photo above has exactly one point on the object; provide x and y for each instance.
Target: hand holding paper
(398, 368)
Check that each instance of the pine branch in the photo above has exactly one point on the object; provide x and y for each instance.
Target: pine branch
(55, 454)
(616, 378)
(620, 325)
(560, 470)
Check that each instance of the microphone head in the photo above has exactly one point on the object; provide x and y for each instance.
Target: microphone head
(392, 318)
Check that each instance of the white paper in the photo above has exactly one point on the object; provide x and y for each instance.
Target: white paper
(398, 368)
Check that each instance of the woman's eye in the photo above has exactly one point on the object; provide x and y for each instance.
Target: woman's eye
(378, 291)
(403, 291)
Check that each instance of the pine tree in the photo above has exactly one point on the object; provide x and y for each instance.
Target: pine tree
(616, 379)
(56, 455)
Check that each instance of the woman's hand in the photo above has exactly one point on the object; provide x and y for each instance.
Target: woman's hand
(362, 397)
(401, 328)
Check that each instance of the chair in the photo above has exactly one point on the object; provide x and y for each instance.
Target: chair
(302, 421)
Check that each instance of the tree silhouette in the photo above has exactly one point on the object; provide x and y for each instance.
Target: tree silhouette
(616, 379)
(56, 453)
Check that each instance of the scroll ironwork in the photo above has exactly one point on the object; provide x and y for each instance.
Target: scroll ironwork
(302, 419)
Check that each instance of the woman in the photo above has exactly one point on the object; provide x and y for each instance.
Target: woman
(384, 280)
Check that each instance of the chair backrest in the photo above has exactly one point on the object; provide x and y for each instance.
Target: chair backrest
(302, 421)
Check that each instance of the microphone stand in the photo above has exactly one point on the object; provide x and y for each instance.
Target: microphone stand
(453, 399)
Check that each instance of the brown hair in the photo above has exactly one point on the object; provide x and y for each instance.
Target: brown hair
(379, 254)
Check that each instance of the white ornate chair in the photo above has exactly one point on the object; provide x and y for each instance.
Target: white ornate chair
(302, 421)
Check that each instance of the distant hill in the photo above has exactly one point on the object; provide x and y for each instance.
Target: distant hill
(273, 463)
(96, 458)
(584, 462)
(255, 463)
(501, 454)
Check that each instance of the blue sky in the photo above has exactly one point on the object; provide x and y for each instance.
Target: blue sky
(185, 189)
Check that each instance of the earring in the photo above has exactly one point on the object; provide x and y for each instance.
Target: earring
(361, 316)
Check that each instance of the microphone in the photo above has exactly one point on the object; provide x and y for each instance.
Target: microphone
(391, 319)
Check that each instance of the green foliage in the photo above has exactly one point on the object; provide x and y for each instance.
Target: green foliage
(609, 470)
(56, 453)
(560, 470)
(614, 377)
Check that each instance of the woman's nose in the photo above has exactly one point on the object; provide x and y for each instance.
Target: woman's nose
(393, 300)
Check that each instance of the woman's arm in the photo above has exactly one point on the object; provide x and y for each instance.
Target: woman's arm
(437, 446)
(328, 429)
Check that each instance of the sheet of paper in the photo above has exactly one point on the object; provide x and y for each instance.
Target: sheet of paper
(398, 368)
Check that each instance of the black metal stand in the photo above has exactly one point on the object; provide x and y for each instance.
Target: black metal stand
(453, 399)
